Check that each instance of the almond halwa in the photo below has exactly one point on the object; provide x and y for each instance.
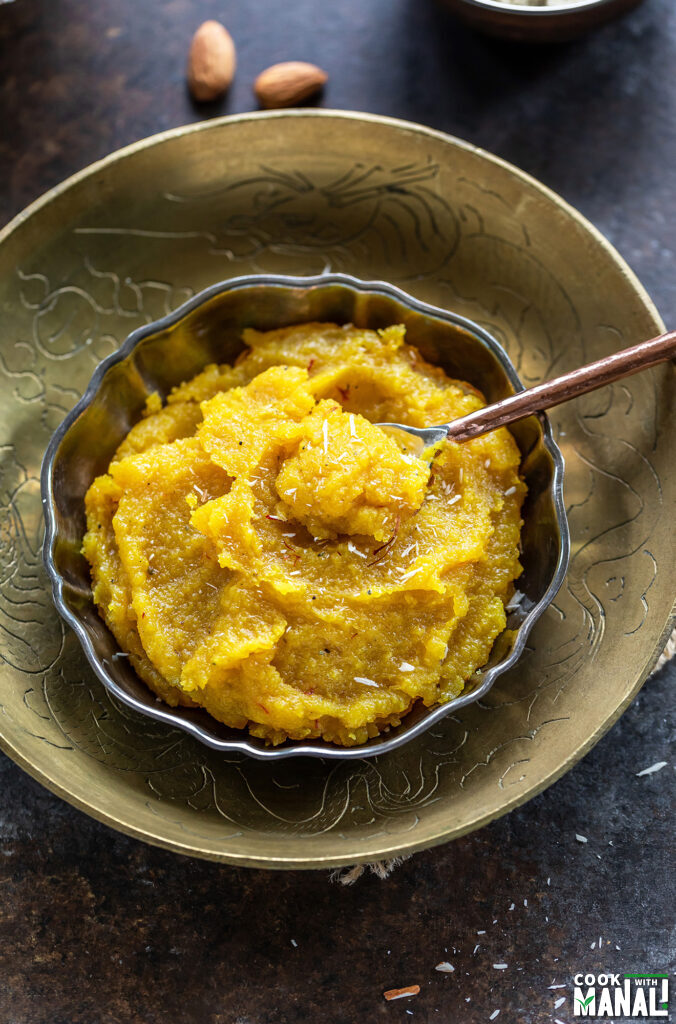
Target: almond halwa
(261, 549)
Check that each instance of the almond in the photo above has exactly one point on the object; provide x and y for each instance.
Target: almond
(211, 62)
(288, 84)
(401, 993)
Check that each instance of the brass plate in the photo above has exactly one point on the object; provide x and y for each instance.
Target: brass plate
(131, 237)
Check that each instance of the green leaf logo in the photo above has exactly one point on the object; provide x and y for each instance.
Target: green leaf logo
(585, 1002)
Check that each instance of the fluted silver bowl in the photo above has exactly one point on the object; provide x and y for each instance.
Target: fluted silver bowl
(208, 329)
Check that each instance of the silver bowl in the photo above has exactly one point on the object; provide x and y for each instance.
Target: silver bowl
(528, 23)
(208, 329)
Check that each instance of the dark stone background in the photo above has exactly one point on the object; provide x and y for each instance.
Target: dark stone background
(96, 928)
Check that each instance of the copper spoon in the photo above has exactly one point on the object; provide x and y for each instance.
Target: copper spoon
(545, 396)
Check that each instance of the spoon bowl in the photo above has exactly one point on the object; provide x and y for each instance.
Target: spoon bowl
(538, 399)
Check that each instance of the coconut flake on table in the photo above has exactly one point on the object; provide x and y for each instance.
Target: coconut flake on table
(445, 967)
(494, 1014)
(581, 839)
(500, 967)
(559, 1002)
(658, 766)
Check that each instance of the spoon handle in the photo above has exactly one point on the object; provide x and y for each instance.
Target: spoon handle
(561, 389)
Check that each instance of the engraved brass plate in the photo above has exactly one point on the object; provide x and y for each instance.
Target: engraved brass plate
(126, 241)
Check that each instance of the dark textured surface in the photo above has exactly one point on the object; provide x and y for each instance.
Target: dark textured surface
(97, 928)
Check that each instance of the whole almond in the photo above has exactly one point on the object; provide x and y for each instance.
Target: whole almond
(288, 84)
(211, 62)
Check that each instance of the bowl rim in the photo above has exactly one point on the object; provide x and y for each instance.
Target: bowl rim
(296, 748)
(528, 11)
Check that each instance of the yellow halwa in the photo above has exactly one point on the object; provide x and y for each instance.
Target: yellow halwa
(262, 550)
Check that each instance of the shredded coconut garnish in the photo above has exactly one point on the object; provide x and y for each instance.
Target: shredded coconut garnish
(212, 585)
(355, 550)
(515, 601)
(353, 432)
(365, 681)
(487, 463)
(653, 768)
(411, 572)
(455, 498)
(510, 490)
(120, 654)
(406, 667)
(325, 432)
